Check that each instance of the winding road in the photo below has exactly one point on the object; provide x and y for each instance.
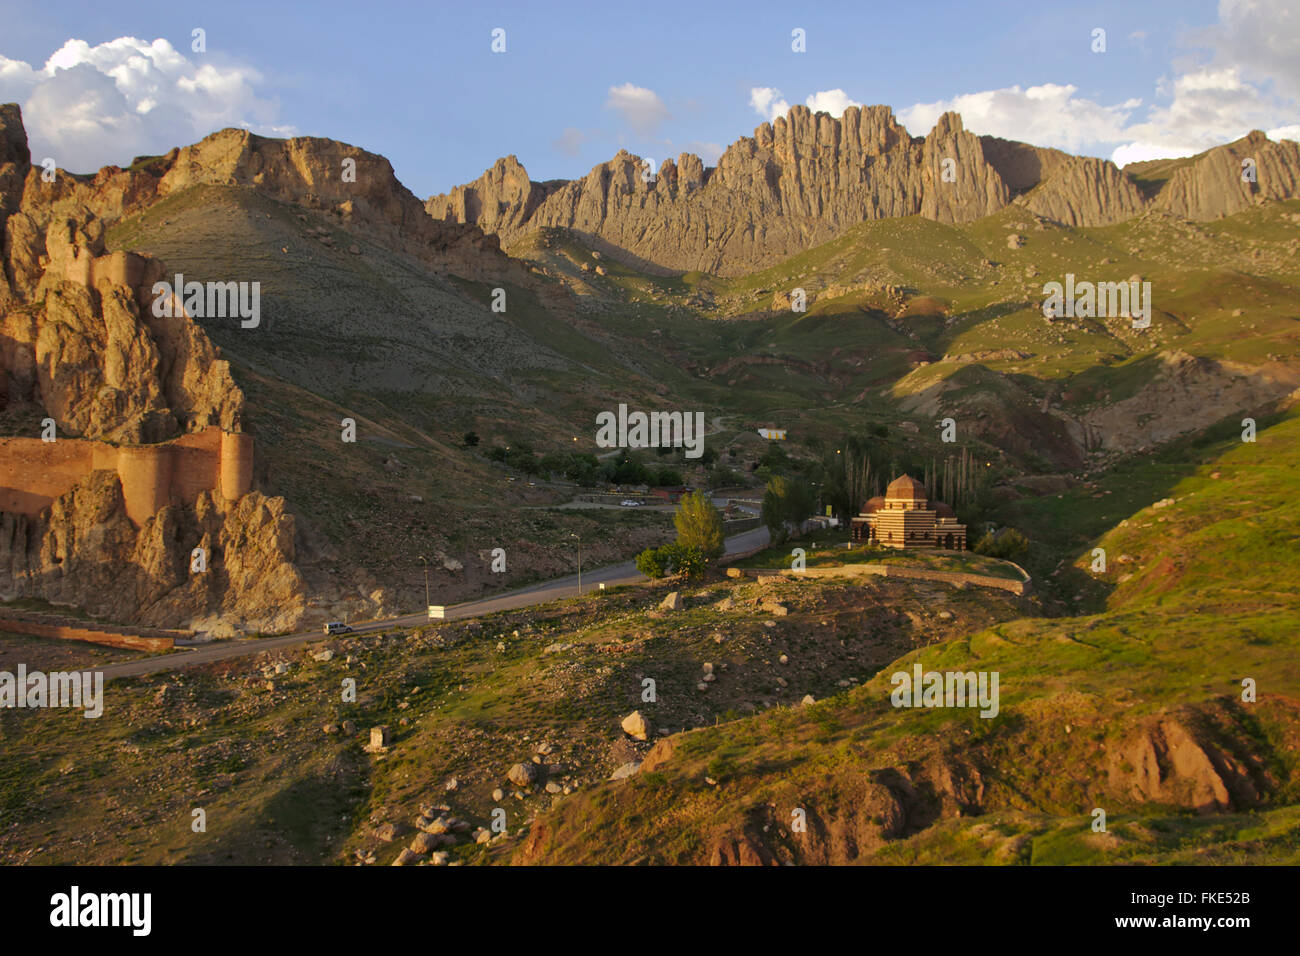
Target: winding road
(554, 589)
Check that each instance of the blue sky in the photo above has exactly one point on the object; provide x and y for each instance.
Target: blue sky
(420, 84)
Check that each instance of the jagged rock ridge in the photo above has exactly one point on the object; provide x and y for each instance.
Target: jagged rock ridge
(803, 179)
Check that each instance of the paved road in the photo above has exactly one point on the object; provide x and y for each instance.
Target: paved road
(625, 573)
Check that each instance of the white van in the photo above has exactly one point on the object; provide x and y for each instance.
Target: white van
(337, 627)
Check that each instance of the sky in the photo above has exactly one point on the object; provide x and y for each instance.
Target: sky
(421, 84)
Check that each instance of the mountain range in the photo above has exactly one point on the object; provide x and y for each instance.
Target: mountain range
(801, 180)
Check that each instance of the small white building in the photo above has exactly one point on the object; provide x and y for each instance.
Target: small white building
(772, 434)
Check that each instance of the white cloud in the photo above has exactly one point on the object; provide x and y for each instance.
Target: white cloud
(1046, 115)
(1285, 132)
(1138, 152)
(1247, 77)
(768, 102)
(91, 106)
(1261, 38)
(641, 109)
(834, 102)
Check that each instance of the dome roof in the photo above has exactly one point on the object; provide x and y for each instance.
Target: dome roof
(873, 505)
(942, 510)
(905, 487)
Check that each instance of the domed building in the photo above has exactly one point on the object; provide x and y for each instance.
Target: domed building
(906, 518)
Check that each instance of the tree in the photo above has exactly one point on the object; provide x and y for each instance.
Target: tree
(1006, 543)
(650, 563)
(470, 439)
(699, 525)
(667, 477)
(786, 504)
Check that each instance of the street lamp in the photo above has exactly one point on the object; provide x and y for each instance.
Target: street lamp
(579, 537)
(425, 561)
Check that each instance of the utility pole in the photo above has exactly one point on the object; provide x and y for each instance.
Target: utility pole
(579, 537)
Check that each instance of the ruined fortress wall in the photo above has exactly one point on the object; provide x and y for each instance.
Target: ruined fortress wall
(196, 463)
(146, 475)
(33, 472)
(236, 465)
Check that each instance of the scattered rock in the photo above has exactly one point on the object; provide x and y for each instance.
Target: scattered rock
(636, 725)
(522, 774)
(627, 770)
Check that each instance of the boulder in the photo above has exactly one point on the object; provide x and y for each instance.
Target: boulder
(625, 771)
(636, 725)
(523, 774)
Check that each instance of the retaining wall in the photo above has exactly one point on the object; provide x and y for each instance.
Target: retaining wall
(893, 571)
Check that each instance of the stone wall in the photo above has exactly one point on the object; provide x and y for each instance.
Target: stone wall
(33, 472)
(894, 571)
(71, 630)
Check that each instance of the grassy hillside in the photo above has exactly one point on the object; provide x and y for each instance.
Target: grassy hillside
(1137, 710)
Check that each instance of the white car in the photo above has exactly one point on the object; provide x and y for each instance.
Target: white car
(629, 503)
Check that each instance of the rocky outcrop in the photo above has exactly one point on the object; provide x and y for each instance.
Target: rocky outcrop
(1203, 389)
(806, 177)
(85, 551)
(1212, 185)
(1073, 190)
(89, 350)
(1171, 761)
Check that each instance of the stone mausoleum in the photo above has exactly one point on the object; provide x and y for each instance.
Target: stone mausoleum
(905, 518)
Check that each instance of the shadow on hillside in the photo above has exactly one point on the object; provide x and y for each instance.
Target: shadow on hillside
(1064, 528)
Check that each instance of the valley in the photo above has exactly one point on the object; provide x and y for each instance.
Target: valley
(436, 396)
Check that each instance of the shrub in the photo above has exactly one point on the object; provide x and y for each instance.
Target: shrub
(1006, 544)
(672, 558)
(649, 563)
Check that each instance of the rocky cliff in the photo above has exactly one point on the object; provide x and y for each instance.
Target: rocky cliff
(85, 551)
(1212, 184)
(79, 343)
(801, 180)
